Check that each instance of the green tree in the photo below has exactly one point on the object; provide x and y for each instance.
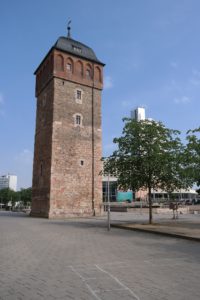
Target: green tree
(25, 196)
(193, 155)
(4, 196)
(149, 156)
(7, 195)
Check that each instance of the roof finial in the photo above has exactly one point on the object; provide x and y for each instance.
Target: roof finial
(69, 28)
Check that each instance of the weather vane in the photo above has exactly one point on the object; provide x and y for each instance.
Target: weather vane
(69, 28)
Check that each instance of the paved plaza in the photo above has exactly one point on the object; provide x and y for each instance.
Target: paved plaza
(79, 259)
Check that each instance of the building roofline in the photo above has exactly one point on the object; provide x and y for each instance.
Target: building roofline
(73, 54)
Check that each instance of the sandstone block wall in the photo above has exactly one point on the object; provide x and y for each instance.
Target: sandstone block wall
(66, 180)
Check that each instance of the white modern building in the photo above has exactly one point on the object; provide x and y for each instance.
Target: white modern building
(8, 181)
(182, 194)
(138, 114)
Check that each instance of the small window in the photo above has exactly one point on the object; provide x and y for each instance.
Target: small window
(77, 49)
(78, 95)
(69, 67)
(88, 73)
(78, 120)
(82, 162)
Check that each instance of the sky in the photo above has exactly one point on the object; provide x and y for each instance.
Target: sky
(151, 49)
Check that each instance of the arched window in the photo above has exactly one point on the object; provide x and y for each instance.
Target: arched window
(97, 74)
(88, 71)
(59, 63)
(69, 65)
(79, 68)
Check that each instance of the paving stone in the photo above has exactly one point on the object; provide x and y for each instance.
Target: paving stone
(79, 259)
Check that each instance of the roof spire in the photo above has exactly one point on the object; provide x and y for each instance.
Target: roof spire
(68, 29)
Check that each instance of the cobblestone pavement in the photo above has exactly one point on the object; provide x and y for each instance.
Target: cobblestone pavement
(185, 226)
(79, 259)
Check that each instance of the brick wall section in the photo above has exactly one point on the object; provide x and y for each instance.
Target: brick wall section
(76, 75)
(42, 152)
(52, 66)
(70, 184)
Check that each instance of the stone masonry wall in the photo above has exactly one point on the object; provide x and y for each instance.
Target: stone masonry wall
(67, 156)
(71, 173)
(42, 153)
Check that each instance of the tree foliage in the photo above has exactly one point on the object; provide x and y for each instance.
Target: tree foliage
(9, 196)
(25, 196)
(149, 155)
(193, 155)
(6, 195)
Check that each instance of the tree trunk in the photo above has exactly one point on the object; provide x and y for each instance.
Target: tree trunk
(150, 206)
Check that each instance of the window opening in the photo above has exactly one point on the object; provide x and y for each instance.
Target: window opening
(88, 73)
(78, 120)
(77, 49)
(69, 67)
(78, 94)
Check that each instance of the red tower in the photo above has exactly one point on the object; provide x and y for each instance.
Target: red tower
(68, 143)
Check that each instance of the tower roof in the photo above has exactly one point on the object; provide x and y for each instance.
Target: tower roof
(67, 44)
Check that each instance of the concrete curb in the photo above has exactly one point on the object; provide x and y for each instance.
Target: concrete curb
(171, 234)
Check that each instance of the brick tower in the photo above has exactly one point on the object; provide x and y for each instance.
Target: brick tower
(68, 148)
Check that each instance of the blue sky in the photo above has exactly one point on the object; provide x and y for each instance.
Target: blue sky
(152, 53)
